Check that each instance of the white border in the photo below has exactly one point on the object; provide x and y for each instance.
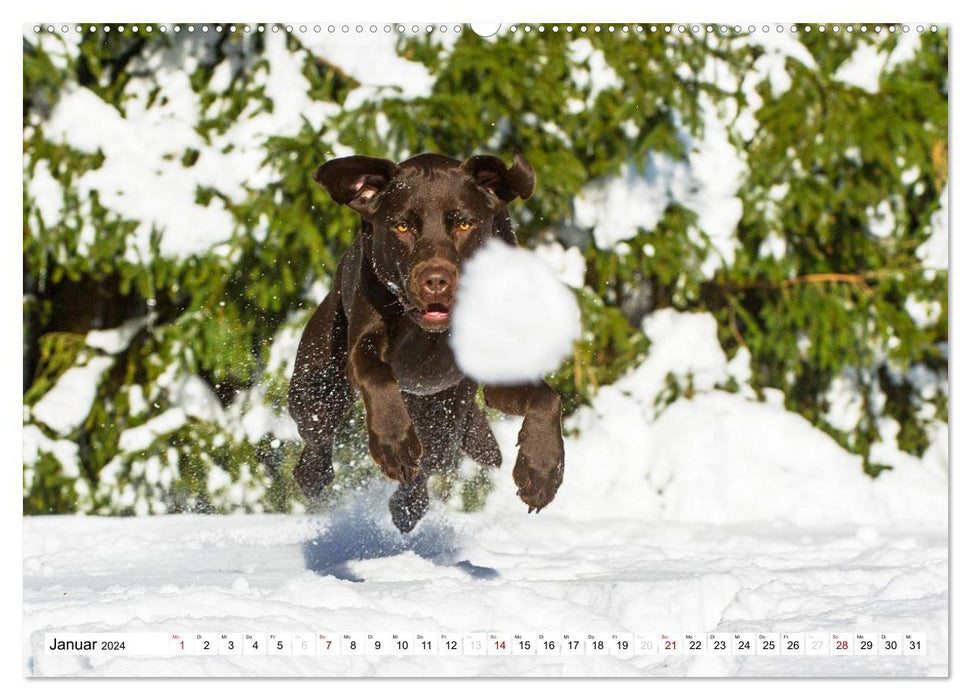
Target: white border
(601, 11)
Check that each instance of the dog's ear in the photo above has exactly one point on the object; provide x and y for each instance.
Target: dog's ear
(355, 180)
(506, 183)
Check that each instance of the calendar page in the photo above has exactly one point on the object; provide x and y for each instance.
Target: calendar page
(435, 349)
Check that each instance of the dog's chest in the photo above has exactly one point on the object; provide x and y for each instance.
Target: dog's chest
(422, 362)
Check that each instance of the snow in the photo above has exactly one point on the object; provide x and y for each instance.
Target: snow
(881, 220)
(773, 246)
(706, 459)
(716, 513)
(616, 207)
(64, 451)
(924, 313)
(592, 72)
(706, 182)
(143, 177)
(907, 45)
(513, 321)
(778, 49)
(845, 404)
(116, 340)
(934, 251)
(47, 193)
(351, 572)
(65, 406)
(141, 437)
(372, 61)
(863, 68)
(136, 168)
(567, 263)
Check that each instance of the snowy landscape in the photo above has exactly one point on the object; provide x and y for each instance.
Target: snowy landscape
(716, 510)
(724, 514)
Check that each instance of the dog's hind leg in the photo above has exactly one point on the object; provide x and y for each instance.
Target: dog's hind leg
(409, 503)
(478, 441)
(441, 421)
(319, 394)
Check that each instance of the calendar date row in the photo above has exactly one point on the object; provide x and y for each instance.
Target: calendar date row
(487, 644)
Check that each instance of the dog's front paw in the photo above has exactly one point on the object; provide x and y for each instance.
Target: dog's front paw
(537, 485)
(539, 467)
(396, 452)
(314, 471)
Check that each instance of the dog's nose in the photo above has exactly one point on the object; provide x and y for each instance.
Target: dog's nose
(436, 281)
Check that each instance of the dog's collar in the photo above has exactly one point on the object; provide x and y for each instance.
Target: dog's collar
(391, 286)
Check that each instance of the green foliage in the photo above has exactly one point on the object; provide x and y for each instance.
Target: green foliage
(824, 160)
(835, 300)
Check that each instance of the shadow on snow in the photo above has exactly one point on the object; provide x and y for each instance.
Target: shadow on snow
(360, 528)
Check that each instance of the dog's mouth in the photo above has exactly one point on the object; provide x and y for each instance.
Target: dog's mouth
(433, 317)
(436, 312)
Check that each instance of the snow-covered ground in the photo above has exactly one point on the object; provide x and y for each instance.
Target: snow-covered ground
(715, 514)
(352, 572)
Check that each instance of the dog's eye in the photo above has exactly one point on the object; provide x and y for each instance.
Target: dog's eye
(401, 228)
(464, 226)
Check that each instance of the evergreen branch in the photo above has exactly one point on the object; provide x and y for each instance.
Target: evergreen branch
(859, 279)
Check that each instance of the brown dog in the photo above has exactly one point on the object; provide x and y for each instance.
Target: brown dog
(383, 331)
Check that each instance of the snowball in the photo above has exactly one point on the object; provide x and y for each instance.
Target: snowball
(513, 321)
